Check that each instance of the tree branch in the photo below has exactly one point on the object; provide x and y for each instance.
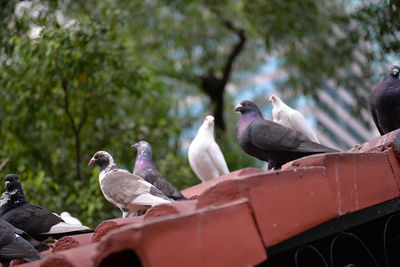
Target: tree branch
(4, 163)
(75, 129)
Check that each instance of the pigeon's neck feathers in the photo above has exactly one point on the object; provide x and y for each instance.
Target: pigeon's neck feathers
(143, 161)
(105, 169)
(246, 119)
(280, 104)
(11, 199)
(206, 130)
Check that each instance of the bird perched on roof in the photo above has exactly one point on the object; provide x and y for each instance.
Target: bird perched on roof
(14, 246)
(291, 118)
(125, 190)
(145, 168)
(384, 102)
(34, 220)
(204, 155)
(270, 141)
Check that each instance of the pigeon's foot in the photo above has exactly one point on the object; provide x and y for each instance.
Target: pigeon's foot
(140, 212)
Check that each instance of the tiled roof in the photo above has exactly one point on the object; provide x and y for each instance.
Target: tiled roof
(233, 220)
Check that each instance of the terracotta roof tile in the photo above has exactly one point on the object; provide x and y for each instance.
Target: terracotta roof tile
(72, 241)
(179, 207)
(192, 239)
(198, 189)
(106, 226)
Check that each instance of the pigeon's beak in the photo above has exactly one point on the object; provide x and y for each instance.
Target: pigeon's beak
(135, 145)
(7, 182)
(91, 161)
(238, 108)
(272, 98)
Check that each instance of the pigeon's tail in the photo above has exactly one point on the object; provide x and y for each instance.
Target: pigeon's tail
(178, 196)
(30, 253)
(315, 148)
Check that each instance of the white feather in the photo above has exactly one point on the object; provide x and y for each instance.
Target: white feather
(204, 155)
(291, 118)
(149, 199)
(69, 219)
(64, 227)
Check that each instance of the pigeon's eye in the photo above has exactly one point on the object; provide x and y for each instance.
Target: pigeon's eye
(248, 104)
(100, 156)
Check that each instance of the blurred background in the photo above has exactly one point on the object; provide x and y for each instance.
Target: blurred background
(81, 76)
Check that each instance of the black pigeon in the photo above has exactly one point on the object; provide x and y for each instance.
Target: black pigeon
(14, 246)
(145, 168)
(34, 220)
(270, 141)
(384, 102)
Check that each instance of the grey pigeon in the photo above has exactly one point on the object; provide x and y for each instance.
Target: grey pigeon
(14, 246)
(270, 141)
(34, 220)
(145, 168)
(125, 190)
(204, 155)
(384, 102)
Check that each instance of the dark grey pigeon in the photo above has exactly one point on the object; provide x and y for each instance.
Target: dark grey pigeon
(129, 192)
(270, 141)
(145, 168)
(34, 220)
(384, 102)
(14, 246)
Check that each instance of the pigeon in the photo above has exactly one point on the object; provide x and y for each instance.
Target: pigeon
(291, 118)
(145, 168)
(270, 141)
(384, 102)
(66, 216)
(34, 220)
(129, 192)
(204, 155)
(14, 246)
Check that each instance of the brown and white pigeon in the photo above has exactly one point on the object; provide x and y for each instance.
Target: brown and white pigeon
(291, 118)
(125, 190)
(204, 155)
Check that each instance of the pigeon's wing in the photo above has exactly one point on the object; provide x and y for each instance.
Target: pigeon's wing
(271, 136)
(32, 219)
(19, 248)
(41, 246)
(300, 124)
(276, 114)
(216, 156)
(373, 113)
(157, 179)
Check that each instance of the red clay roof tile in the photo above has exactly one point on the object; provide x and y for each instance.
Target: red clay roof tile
(106, 226)
(192, 239)
(200, 188)
(72, 241)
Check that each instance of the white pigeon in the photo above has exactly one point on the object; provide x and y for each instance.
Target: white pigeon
(291, 118)
(67, 217)
(125, 190)
(205, 156)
